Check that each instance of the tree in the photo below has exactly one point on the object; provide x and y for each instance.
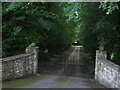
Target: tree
(97, 27)
(42, 23)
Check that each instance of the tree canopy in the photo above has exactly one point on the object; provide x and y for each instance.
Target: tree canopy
(42, 23)
(54, 26)
(99, 25)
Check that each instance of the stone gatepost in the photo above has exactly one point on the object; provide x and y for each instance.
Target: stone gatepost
(32, 48)
(100, 54)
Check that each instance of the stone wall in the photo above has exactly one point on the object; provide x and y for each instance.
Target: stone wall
(19, 66)
(106, 72)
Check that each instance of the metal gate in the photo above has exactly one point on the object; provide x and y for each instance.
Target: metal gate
(64, 65)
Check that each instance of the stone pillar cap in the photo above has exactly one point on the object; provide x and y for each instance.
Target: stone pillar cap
(32, 45)
(101, 48)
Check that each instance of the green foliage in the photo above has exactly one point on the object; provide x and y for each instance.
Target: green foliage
(110, 7)
(41, 23)
(96, 28)
(54, 26)
(111, 56)
(46, 51)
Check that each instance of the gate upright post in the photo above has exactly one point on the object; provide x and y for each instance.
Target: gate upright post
(100, 54)
(34, 49)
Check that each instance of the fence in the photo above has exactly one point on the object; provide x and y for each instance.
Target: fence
(106, 72)
(22, 65)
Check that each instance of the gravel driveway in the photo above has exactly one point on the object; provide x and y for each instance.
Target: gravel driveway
(58, 81)
(51, 81)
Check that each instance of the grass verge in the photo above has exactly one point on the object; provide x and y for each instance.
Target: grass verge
(21, 82)
(62, 80)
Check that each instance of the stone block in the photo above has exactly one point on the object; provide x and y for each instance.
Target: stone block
(19, 66)
(107, 73)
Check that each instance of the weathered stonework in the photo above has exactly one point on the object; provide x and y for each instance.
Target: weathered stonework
(106, 72)
(19, 66)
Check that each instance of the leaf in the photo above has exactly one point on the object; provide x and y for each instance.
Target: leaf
(16, 30)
